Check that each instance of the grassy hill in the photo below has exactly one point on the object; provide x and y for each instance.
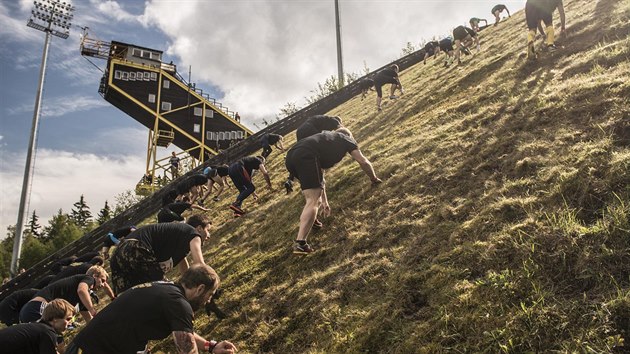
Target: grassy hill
(501, 226)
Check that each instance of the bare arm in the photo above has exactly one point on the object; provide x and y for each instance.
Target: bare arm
(83, 291)
(263, 170)
(195, 251)
(210, 183)
(365, 164)
(508, 11)
(185, 342)
(221, 183)
(109, 291)
(183, 266)
(223, 347)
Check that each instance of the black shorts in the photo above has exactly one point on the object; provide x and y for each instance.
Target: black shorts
(535, 12)
(303, 164)
(461, 32)
(379, 81)
(446, 45)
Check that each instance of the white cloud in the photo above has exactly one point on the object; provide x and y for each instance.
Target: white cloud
(62, 105)
(263, 54)
(14, 28)
(60, 178)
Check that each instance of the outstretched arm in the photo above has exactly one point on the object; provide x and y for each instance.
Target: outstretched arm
(508, 11)
(263, 170)
(185, 342)
(365, 164)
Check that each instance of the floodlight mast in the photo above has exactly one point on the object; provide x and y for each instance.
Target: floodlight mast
(52, 17)
(339, 58)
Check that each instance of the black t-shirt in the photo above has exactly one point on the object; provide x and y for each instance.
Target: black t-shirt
(118, 234)
(430, 46)
(44, 281)
(499, 7)
(329, 147)
(222, 171)
(72, 270)
(386, 75)
(29, 338)
(56, 267)
(67, 289)
(250, 163)
(191, 181)
(179, 207)
(170, 242)
(145, 312)
(169, 197)
(322, 122)
(11, 305)
(270, 139)
(86, 257)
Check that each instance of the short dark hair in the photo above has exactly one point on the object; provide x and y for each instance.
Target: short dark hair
(198, 220)
(200, 274)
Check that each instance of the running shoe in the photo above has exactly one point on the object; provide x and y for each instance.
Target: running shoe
(551, 47)
(236, 209)
(393, 97)
(317, 225)
(305, 248)
(288, 185)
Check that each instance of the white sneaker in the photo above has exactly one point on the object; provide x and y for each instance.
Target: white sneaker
(393, 97)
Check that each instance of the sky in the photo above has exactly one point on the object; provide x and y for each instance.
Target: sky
(254, 56)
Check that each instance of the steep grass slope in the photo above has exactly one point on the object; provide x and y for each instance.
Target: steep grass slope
(501, 226)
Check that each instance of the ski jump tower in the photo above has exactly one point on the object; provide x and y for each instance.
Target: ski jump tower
(138, 83)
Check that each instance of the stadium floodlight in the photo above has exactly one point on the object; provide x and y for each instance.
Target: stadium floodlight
(53, 18)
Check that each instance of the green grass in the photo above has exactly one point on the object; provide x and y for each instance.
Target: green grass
(501, 226)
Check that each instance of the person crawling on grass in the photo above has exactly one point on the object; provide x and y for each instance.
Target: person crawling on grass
(312, 126)
(43, 337)
(269, 139)
(474, 23)
(464, 37)
(173, 211)
(446, 46)
(152, 311)
(218, 175)
(496, 11)
(191, 186)
(537, 11)
(241, 174)
(148, 253)
(387, 76)
(307, 160)
(431, 48)
(365, 86)
(114, 238)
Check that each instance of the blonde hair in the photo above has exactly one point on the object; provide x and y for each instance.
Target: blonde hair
(58, 308)
(97, 271)
(344, 131)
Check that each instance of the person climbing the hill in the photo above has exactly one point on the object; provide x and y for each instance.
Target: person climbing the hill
(43, 337)
(496, 11)
(387, 76)
(313, 125)
(431, 48)
(474, 23)
(11, 305)
(269, 139)
(537, 11)
(191, 187)
(218, 175)
(307, 160)
(82, 268)
(365, 86)
(114, 238)
(148, 253)
(173, 211)
(174, 162)
(75, 289)
(464, 37)
(152, 311)
(446, 46)
(241, 175)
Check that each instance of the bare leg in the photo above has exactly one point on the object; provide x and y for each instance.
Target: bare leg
(309, 213)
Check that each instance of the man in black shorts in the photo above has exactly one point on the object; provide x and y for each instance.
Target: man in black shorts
(269, 139)
(496, 11)
(11, 305)
(152, 311)
(542, 10)
(241, 175)
(75, 289)
(464, 37)
(432, 48)
(307, 160)
(114, 238)
(312, 126)
(218, 175)
(387, 76)
(191, 186)
(148, 253)
(41, 337)
(446, 46)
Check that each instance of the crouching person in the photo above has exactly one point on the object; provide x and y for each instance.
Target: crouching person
(151, 311)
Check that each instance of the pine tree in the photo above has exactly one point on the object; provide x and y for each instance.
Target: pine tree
(33, 225)
(104, 215)
(81, 214)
